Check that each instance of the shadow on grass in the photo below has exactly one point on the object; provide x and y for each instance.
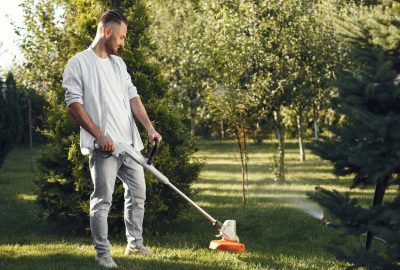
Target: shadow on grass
(269, 182)
(264, 168)
(20, 224)
(67, 261)
(231, 145)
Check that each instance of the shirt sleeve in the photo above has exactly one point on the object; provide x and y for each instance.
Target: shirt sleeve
(132, 91)
(72, 82)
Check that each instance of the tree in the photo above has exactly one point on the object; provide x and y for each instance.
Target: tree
(64, 179)
(177, 34)
(366, 144)
(276, 63)
(1, 52)
(204, 49)
(229, 46)
(317, 52)
(295, 57)
(10, 116)
(254, 58)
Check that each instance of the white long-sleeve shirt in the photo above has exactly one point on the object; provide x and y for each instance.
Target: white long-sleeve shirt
(83, 82)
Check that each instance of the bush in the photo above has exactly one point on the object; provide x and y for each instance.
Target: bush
(64, 183)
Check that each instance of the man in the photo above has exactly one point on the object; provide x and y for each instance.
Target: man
(101, 98)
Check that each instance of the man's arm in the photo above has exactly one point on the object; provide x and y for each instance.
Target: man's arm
(73, 85)
(83, 119)
(139, 111)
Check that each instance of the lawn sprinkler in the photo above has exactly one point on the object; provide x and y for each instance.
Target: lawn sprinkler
(327, 223)
(227, 230)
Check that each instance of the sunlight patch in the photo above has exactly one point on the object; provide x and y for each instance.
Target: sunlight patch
(26, 197)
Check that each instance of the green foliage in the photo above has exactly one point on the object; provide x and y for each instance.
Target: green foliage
(242, 62)
(10, 116)
(64, 180)
(369, 102)
(356, 220)
(366, 143)
(181, 54)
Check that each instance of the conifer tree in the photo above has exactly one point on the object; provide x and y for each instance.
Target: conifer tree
(10, 117)
(64, 180)
(366, 144)
(2, 124)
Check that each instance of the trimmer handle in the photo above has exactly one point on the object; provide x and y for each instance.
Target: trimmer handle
(151, 152)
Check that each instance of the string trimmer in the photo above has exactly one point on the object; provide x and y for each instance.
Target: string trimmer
(227, 230)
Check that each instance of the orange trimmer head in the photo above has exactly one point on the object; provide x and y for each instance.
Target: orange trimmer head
(227, 245)
(230, 240)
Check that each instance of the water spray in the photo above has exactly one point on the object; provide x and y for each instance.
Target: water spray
(313, 210)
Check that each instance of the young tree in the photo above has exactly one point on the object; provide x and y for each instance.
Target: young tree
(230, 44)
(296, 56)
(177, 34)
(276, 63)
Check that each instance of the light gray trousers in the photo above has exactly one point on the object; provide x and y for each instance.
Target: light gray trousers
(104, 169)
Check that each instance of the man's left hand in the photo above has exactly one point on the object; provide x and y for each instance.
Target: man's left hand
(154, 136)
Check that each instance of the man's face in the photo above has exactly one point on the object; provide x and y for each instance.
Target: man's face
(115, 35)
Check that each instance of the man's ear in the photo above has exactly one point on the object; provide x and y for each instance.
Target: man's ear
(107, 31)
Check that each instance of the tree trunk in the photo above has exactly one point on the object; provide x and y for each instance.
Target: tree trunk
(30, 131)
(299, 119)
(378, 199)
(241, 139)
(281, 145)
(192, 121)
(331, 116)
(221, 129)
(258, 134)
(246, 159)
(316, 121)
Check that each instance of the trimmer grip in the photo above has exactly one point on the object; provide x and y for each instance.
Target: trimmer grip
(151, 152)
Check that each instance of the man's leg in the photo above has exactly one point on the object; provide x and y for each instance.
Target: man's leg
(132, 176)
(103, 169)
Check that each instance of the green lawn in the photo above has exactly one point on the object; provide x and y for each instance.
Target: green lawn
(277, 232)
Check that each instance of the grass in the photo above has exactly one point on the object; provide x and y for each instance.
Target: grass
(274, 227)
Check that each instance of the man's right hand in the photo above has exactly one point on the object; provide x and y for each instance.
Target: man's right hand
(83, 119)
(105, 143)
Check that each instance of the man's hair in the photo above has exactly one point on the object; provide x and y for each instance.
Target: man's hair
(113, 15)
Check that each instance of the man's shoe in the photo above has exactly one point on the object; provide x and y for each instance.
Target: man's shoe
(106, 261)
(145, 251)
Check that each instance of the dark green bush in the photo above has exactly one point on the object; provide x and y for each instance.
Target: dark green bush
(64, 183)
(10, 117)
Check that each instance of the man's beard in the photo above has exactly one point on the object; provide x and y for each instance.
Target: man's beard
(108, 45)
